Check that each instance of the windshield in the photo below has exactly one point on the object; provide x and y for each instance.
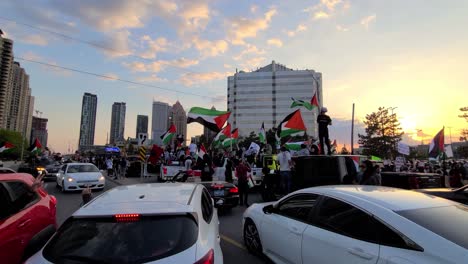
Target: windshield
(82, 168)
(104, 240)
(449, 222)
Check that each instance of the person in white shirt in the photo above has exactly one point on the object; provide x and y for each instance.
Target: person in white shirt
(285, 162)
(303, 152)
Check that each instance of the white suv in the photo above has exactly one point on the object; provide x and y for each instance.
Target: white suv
(143, 223)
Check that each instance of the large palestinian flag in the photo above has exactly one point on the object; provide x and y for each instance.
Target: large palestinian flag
(295, 145)
(262, 134)
(212, 119)
(291, 125)
(36, 146)
(232, 139)
(222, 135)
(307, 105)
(437, 145)
(167, 137)
(5, 146)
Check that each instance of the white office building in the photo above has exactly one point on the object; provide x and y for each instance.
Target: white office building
(265, 96)
(159, 121)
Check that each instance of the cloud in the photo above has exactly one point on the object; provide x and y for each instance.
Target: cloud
(252, 63)
(331, 4)
(275, 42)
(299, 28)
(116, 44)
(35, 40)
(157, 66)
(189, 79)
(151, 78)
(366, 21)
(341, 28)
(210, 48)
(218, 99)
(321, 15)
(192, 16)
(29, 55)
(253, 8)
(249, 49)
(153, 46)
(241, 28)
(227, 66)
(112, 76)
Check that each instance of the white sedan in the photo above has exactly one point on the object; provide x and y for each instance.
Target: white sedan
(163, 223)
(78, 176)
(358, 224)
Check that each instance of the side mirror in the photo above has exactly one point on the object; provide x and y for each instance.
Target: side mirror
(269, 209)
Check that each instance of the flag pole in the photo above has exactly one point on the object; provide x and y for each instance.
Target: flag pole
(352, 132)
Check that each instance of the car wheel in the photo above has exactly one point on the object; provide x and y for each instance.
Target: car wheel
(252, 238)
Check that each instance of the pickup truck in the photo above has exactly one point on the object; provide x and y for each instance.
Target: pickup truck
(168, 171)
(412, 180)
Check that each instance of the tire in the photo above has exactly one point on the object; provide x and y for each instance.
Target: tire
(252, 238)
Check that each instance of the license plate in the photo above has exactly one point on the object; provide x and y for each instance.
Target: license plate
(218, 192)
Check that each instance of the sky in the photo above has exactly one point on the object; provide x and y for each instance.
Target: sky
(410, 55)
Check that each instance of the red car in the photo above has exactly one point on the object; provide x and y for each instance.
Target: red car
(27, 216)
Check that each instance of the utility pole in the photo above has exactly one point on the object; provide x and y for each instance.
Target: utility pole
(352, 132)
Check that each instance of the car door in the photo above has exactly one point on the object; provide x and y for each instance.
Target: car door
(340, 233)
(281, 230)
(10, 238)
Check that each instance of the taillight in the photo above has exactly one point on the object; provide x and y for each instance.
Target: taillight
(164, 171)
(234, 190)
(53, 199)
(207, 259)
(127, 217)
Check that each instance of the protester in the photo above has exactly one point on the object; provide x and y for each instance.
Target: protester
(109, 166)
(303, 152)
(369, 175)
(228, 171)
(207, 170)
(188, 163)
(86, 196)
(455, 176)
(123, 167)
(243, 185)
(324, 121)
(285, 162)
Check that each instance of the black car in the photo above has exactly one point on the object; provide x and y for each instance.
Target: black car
(224, 194)
(458, 195)
(36, 167)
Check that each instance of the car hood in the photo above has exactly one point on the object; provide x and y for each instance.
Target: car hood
(86, 176)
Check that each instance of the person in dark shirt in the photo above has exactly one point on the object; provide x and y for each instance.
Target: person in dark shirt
(324, 121)
(242, 169)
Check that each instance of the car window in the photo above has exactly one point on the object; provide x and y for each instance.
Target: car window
(345, 219)
(21, 196)
(298, 207)
(82, 168)
(64, 168)
(6, 208)
(388, 237)
(449, 222)
(207, 206)
(108, 240)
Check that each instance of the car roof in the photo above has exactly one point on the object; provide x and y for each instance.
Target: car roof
(25, 177)
(79, 163)
(391, 198)
(150, 198)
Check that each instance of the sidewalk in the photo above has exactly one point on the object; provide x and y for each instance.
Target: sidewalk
(130, 180)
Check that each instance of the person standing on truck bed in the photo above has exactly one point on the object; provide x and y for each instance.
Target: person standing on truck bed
(285, 162)
(370, 175)
(324, 121)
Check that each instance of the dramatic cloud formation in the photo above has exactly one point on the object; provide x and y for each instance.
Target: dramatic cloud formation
(116, 44)
(153, 46)
(210, 48)
(366, 21)
(241, 28)
(157, 66)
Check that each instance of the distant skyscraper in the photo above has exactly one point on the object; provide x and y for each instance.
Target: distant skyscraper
(117, 123)
(20, 105)
(142, 124)
(88, 119)
(39, 130)
(159, 121)
(179, 118)
(6, 63)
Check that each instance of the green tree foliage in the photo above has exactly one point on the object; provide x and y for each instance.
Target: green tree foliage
(464, 115)
(14, 138)
(245, 142)
(383, 132)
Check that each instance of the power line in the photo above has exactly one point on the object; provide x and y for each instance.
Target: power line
(93, 44)
(114, 78)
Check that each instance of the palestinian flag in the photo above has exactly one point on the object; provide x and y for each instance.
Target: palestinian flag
(6, 146)
(291, 125)
(212, 119)
(222, 135)
(262, 134)
(201, 152)
(231, 140)
(437, 145)
(307, 105)
(296, 146)
(36, 146)
(167, 137)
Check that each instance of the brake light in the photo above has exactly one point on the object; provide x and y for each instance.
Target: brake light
(218, 186)
(207, 259)
(164, 171)
(127, 217)
(234, 190)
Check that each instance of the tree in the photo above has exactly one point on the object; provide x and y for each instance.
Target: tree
(462, 152)
(383, 132)
(245, 142)
(464, 132)
(14, 138)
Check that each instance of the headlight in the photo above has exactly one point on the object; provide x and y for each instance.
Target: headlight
(70, 179)
(40, 168)
(101, 178)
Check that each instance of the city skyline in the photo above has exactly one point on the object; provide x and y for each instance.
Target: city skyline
(408, 55)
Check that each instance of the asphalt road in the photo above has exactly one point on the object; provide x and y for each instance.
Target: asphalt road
(230, 223)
